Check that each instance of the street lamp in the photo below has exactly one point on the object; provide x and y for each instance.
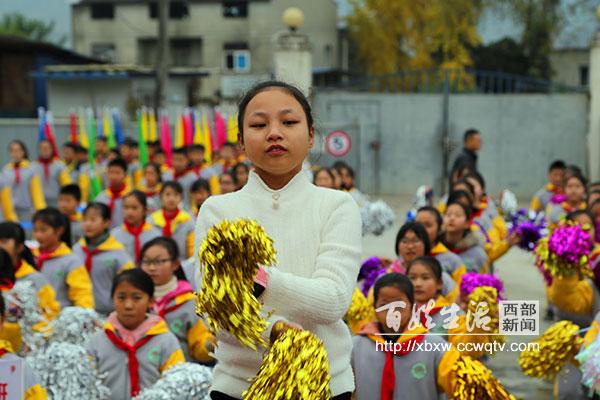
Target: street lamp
(293, 18)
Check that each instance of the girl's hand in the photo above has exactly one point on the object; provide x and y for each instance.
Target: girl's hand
(281, 326)
(514, 239)
(386, 262)
(260, 282)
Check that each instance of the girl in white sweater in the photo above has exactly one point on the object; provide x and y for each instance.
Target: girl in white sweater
(316, 232)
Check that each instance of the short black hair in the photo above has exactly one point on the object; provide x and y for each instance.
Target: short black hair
(469, 185)
(199, 184)
(468, 211)
(54, 218)
(176, 186)
(102, 208)
(557, 164)
(180, 150)
(70, 145)
(430, 262)
(129, 142)
(137, 277)
(469, 133)
(574, 214)
(478, 177)
(2, 307)
(119, 163)
(80, 149)
(397, 280)
(198, 147)
(229, 144)
(456, 195)
(139, 196)
(102, 139)
(167, 243)
(72, 190)
(419, 231)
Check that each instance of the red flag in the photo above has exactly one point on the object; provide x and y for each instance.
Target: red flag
(188, 129)
(220, 130)
(73, 120)
(165, 139)
(50, 134)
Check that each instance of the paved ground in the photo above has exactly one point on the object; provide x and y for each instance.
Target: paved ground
(522, 282)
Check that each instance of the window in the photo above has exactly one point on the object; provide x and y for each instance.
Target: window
(583, 75)
(102, 10)
(237, 57)
(235, 9)
(183, 52)
(104, 51)
(177, 10)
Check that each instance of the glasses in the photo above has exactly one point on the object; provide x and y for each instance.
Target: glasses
(408, 242)
(155, 263)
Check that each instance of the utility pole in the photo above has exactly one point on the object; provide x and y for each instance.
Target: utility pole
(162, 55)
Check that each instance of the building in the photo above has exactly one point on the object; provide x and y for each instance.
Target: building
(22, 88)
(230, 40)
(571, 66)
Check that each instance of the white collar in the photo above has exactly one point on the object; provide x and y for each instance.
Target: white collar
(257, 187)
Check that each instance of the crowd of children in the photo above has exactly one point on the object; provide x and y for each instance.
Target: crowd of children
(127, 251)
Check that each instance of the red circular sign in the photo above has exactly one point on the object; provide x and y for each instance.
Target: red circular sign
(338, 143)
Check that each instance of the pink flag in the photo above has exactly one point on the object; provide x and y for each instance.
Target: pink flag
(220, 130)
(165, 139)
(188, 129)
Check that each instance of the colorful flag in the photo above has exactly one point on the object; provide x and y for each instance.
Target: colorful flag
(49, 133)
(198, 139)
(165, 139)
(232, 129)
(96, 186)
(188, 129)
(144, 137)
(73, 127)
(153, 136)
(207, 140)
(109, 131)
(83, 135)
(142, 145)
(118, 128)
(179, 141)
(220, 130)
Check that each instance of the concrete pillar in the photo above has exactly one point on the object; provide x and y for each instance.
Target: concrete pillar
(594, 122)
(293, 61)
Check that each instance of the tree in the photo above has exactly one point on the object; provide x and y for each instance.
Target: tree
(392, 35)
(18, 25)
(506, 55)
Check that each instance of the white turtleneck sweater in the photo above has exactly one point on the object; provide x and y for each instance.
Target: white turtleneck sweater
(317, 236)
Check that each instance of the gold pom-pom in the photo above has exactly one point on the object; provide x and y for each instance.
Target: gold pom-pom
(475, 382)
(487, 298)
(295, 367)
(359, 312)
(231, 254)
(557, 345)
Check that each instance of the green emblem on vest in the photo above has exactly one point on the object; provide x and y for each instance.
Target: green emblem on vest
(176, 326)
(154, 355)
(59, 275)
(419, 370)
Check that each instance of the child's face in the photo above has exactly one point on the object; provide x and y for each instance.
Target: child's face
(276, 133)
(157, 263)
(323, 179)
(67, 204)
(131, 305)
(227, 153)
(427, 219)
(170, 199)
(596, 211)
(241, 174)
(151, 176)
(10, 246)
(126, 152)
(574, 190)
(200, 196)
(227, 184)
(47, 236)
(196, 156)
(592, 198)
(337, 179)
(16, 152)
(556, 177)
(347, 180)
(588, 225)
(93, 224)
(45, 149)
(455, 219)
(478, 189)
(410, 247)
(133, 211)
(102, 147)
(180, 162)
(68, 154)
(115, 176)
(387, 295)
(159, 158)
(425, 283)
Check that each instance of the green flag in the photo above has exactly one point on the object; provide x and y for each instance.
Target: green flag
(96, 186)
(142, 145)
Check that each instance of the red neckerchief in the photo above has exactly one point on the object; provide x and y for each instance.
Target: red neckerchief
(196, 169)
(43, 257)
(388, 377)
(6, 284)
(3, 352)
(17, 167)
(114, 195)
(431, 313)
(133, 364)
(177, 175)
(46, 165)
(136, 231)
(169, 217)
(89, 255)
(568, 208)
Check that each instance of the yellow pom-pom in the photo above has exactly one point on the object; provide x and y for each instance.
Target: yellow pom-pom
(487, 298)
(231, 255)
(557, 345)
(360, 311)
(475, 382)
(295, 367)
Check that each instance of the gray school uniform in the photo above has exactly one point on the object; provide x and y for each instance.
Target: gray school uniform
(568, 383)
(544, 195)
(51, 184)
(117, 211)
(105, 266)
(189, 270)
(30, 377)
(555, 213)
(186, 182)
(438, 319)
(76, 231)
(180, 321)
(37, 279)
(21, 192)
(449, 261)
(416, 372)
(73, 169)
(582, 320)
(113, 362)
(57, 270)
(180, 235)
(474, 258)
(448, 283)
(128, 240)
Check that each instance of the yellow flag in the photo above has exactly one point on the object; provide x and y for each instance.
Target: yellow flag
(232, 129)
(145, 124)
(198, 134)
(153, 132)
(83, 136)
(179, 133)
(207, 141)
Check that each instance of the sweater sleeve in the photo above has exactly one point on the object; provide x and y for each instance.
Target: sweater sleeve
(324, 297)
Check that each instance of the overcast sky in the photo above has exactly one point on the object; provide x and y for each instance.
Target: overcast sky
(493, 25)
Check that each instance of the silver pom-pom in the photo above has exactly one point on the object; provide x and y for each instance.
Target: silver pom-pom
(509, 203)
(376, 217)
(185, 381)
(22, 301)
(75, 325)
(68, 372)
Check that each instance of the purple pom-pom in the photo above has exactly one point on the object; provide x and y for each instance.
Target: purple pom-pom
(370, 270)
(531, 228)
(570, 243)
(558, 198)
(473, 280)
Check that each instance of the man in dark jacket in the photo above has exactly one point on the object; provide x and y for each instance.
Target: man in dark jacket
(467, 159)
